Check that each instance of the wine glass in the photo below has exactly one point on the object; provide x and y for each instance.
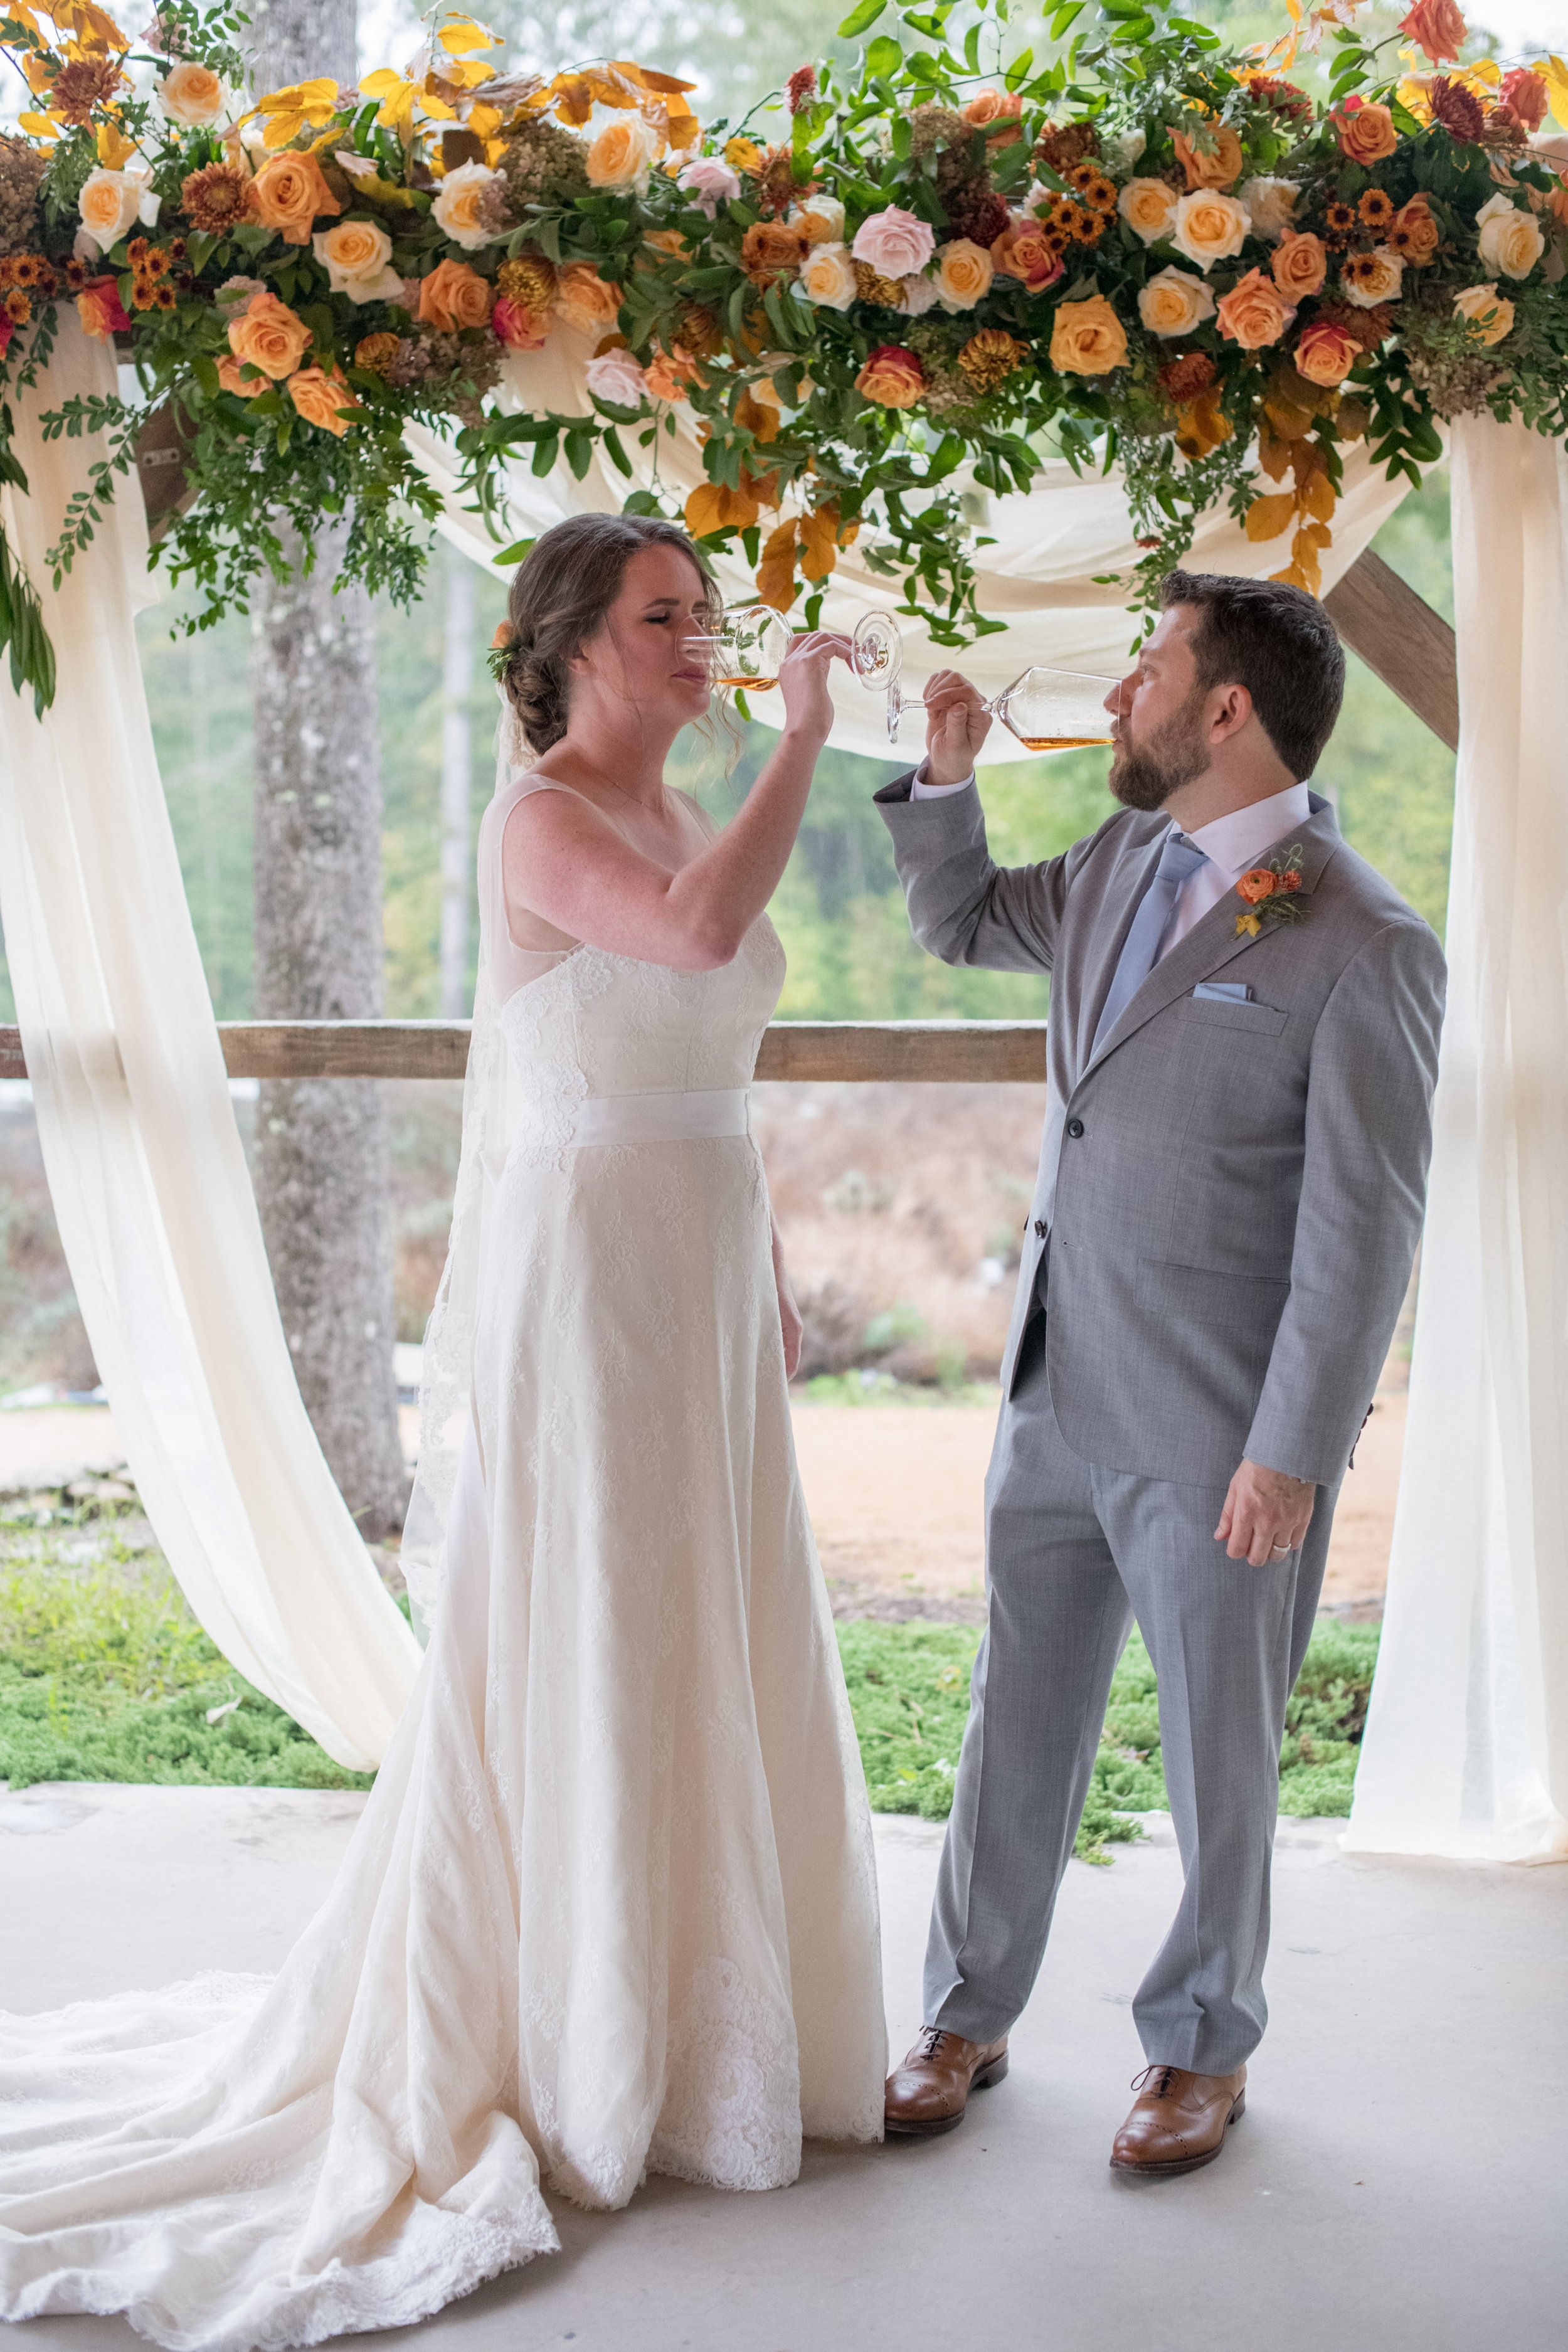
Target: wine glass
(748, 647)
(1047, 709)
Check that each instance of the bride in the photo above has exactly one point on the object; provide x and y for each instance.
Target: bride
(611, 1907)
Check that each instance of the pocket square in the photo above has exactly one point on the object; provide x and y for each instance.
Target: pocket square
(1223, 992)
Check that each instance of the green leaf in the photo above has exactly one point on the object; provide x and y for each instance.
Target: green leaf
(1019, 72)
(579, 452)
(860, 18)
(617, 455)
(205, 374)
(515, 552)
(883, 56)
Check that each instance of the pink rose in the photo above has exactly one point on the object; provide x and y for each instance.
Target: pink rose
(616, 376)
(712, 181)
(518, 327)
(895, 243)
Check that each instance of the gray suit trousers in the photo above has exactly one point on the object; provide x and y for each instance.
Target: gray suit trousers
(1074, 1552)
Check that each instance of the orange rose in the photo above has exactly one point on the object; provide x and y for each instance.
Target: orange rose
(1087, 338)
(1365, 131)
(1253, 314)
(230, 378)
(1436, 26)
(893, 377)
(1414, 234)
(995, 112)
(454, 296)
(669, 374)
(100, 308)
(583, 299)
(963, 274)
(267, 334)
(287, 193)
(1299, 265)
(1524, 94)
(318, 394)
(1326, 353)
(1218, 166)
(771, 249)
(1025, 253)
(1257, 885)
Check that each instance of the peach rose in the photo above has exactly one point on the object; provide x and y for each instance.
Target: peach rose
(1218, 166)
(964, 273)
(269, 336)
(819, 219)
(995, 112)
(770, 250)
(515, 325)
(287, 193)
(893, 377)
(318, 394)
(1326, 353)
(1524, 94)
(669, 375)
(828, 278)
(1414, 234)
(1148, 207)
(1364, 130)
(100, 308)
(1508, 239)
(110, 204)
(357, 258)
(1490, 314)
(1436, 26)
(192, 94)
(1208, 226)
(453, 297)
(1023, 252)
(1087, 338)
(583, 299)
(230, 378)
(1253, 313)
(1299, 265)
(459, 211)
(1174, 302)
(623, 154)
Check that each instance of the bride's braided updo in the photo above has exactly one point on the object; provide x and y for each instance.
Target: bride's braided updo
(560, 595)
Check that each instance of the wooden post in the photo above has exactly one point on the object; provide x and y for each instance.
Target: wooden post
(1398, 635)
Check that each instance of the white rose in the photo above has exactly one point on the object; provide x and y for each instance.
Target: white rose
(1208, 226)
(356, 256)
(110, 202)
(1508, 239)
(1270, 206)
(614, 376)
(920, 295)
(1173, 302)
(1146, 205)
(827, 278)
(456, 210)
(194, 95)
(1379, 278)
(821, 218)
(1125, 150)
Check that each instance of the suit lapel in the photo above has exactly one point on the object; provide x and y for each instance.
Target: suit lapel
(1212, 942)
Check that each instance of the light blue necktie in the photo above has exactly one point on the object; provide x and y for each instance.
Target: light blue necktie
(1179, 858)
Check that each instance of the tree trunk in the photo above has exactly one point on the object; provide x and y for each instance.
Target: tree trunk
(457, 784)
(322, 1158)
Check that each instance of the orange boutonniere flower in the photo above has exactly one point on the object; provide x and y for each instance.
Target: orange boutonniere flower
(1271, 895)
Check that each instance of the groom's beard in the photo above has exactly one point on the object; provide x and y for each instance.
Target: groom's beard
(1143, 776)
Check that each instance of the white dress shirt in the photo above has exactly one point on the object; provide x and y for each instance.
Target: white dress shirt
(1230, 845)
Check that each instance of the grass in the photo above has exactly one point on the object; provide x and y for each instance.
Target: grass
(106, 1676)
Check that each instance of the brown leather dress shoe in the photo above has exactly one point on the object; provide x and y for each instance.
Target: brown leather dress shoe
(1178, 2121)
(929, 2093)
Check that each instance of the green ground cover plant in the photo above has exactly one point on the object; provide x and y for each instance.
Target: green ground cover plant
(106, 1676)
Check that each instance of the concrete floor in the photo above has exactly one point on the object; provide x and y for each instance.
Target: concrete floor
(1397, 2182)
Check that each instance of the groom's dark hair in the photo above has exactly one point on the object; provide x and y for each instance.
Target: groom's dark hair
(1279, 644)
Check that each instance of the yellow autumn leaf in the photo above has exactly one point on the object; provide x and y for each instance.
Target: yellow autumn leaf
(464, 34)
(1317, 498)
(1273, 455)
(776, 572)
(819, 543)
(484, 121)
(38, 126)
(1315, 535)
(1267, 516)
(114, 149)
(1413, 96)
(1555, 74)
(705, 509)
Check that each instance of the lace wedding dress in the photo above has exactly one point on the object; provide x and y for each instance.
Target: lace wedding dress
(611, 1908)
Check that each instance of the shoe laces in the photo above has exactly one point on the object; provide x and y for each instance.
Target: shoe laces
(930, 2041)
(1165, 2084)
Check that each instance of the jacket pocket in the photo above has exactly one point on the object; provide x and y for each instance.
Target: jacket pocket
(1216, 1013)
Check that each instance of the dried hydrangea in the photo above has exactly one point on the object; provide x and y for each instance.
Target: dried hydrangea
(932, 127)
(446, 368)
(22, 166)
(947, 387)
(544, 164)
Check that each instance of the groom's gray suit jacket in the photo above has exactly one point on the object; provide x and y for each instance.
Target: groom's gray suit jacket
(1232, 1192)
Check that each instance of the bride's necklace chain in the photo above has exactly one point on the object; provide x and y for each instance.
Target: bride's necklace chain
(610, 785)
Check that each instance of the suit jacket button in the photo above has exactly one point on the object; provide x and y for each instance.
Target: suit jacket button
(1075, 1128)
(1040, 1228)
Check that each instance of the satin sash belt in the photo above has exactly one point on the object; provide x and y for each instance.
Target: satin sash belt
(662, 1118)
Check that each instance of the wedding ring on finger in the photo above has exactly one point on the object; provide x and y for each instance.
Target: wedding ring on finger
(1281, 1546)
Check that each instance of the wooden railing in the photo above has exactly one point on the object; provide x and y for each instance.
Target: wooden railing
(972, 1052)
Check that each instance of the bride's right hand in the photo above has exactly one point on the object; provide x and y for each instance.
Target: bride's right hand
(803, 682)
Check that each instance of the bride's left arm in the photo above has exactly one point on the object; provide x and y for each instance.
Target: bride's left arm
(789, 1313)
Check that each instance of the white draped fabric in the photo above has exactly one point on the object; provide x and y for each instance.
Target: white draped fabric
(150, 1191)
(1465, 1750)
(1039, 576)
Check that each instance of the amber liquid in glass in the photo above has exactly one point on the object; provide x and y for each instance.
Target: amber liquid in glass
(749, 685)
(1061, 742)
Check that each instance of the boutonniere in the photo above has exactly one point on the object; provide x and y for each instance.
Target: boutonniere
(1271, 895)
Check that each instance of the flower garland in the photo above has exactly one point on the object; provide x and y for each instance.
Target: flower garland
(1147, 250)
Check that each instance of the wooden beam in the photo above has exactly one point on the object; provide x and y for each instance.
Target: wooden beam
(937, 1052)
(1396, 633)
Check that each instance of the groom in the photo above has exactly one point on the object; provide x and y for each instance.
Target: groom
(1242, 1047)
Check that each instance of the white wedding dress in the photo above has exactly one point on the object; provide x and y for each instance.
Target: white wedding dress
(611, 1908)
